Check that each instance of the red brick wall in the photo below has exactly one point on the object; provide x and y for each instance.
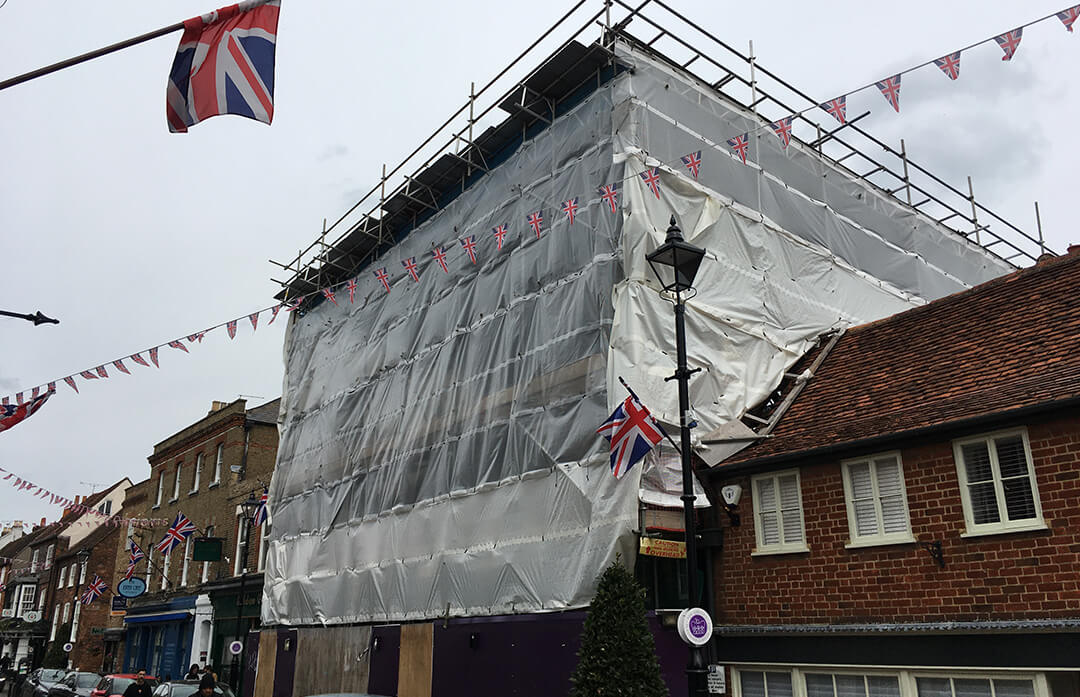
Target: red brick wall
(1022, 575)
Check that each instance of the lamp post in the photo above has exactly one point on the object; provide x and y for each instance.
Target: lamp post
(37, 318)
(675, 264)
(248, 509)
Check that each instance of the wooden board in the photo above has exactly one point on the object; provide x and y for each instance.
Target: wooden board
(264, 678)
(414, 671)
(333, 659)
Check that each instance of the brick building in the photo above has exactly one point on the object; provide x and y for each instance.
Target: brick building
(189, 612)
(88, 622)
(910, 527)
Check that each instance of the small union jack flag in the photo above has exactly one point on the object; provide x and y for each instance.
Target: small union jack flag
(119, 363)
(273, 313)
(254, 318)
(410, 266)
(500, 232)
(93, 591)
(1069, 16)
(740, 144)
(693, 162)
(351, 285)
(383, 278)
(101, 371)
(652, 179)
(198, 336)
(328, 293)
(536, 221)
(230, 327)
(35, 392)
(570, 208)
(135, 555)
(263, 511)
(837, 108)
(469, 244)
(177, 345)
(440, 256)
(295, 304)
(632, 432)
(181, 530)
(71, 383)
(782, 129)
(86, 374)
(890, 89)
(1009, 42)
(609, 193)
(950, 65)
(153, 357)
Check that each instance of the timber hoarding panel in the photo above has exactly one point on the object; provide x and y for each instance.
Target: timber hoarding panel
(264, 678)
(414, 668)
(333, 659)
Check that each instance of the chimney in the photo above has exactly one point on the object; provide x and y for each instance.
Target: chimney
(217, 406)
(42, 522)
(1073, 250)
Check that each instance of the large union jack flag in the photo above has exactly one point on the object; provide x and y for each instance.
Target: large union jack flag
(135, 555)
(11, 414)
(632, 432)
(181, 529)
(224, 65)
(263, 511)
(93, 590)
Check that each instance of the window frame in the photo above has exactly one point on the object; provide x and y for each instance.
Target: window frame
(197, 475)
(906, 675)
(761, 549)
(882, 537)
(176, 482)
(219, 459)
(974, 529)
(160, 487)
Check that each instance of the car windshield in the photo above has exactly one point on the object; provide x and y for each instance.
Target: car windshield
(183, 688)
(51, 675)
(121, 684)
(87, 680)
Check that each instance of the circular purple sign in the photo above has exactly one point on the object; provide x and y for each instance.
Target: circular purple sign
(699, 627)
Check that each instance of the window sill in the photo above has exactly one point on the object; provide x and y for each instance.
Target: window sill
(192, 492)
(174, 499)
(212, 485)
(769, 552)
(155, 507)
(1034, 526)
(860, 544)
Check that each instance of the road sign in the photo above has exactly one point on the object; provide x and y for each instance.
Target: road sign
(695, 626)
(235, 648)
(68, 647)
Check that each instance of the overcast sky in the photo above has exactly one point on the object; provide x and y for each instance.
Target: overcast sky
(133, 236)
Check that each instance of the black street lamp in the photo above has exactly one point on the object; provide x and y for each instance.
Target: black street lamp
(37, 318)
(248, 508)
(675, 264)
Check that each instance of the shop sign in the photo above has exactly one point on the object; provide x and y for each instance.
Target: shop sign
(655, 547)
(119, 606)
(132, 587)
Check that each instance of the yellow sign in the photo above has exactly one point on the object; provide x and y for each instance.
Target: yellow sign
(669, 549)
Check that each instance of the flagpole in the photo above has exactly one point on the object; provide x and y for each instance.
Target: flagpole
(25, 77)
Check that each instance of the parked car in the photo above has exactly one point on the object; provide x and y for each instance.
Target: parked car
(113, 685)
(37, 684)
(186, 688)
(75, 684)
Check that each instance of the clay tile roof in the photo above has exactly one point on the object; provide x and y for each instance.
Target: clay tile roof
(1008, 344)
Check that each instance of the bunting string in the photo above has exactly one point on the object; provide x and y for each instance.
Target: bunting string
(25, 485)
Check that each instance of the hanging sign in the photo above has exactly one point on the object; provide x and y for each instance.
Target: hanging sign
(132, 587)
(695, 626)
(68, 647)
(119, 606)
(235, 648)
(669, 549)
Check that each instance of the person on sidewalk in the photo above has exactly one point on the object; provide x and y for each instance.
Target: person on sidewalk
(206, 687)
(139, 688)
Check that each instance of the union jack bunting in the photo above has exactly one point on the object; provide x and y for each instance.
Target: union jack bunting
(410, 266)
(632, 432)
(153, 357)
(254, 318)
(230, 327)
(890, 89)
(469, 245)
(12, 414)
(500, 232)
(181, 530)
(1009, 42)
(88, 375)
(18, 398)
(35, 392)
(536, 221)
(294, 305)
(71, 383)
(693, 162)
(1069, 16)
(197, 336)
(328, 293)
(440, 256)
(570, 208)
(93, 590)
(177, 345)
(383, 278)
(950, 65)
(782, 129)
(224, 65)
(609, 193)
(652, 179)
(135, 555)
(351, 286)
(740, 144)
(119, 365)
(273, 313)
(101, 371)
(837, 108)
(263, 511)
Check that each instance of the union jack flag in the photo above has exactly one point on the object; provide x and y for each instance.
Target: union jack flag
(11, 414)
(273, 313)
(693, 162)
(101, 371)
(632, 432)
(440, 256)
(740, 144)
(71, 383)
(254, 317)
(263, 511)
(837, 108)
(950, 65)
(119, 363)
(609, 193)
(890, 89)
(197, 336)
(570, 208)
(383, 278)
(224, 65)
(500, 232)
(782, 129)
(410, 266)
(469, 244)
(88, 375)
(351, 285)
(536, 221)
(1069, 16)
(328, 293)
(153, 357)
(181, 530)
(135, 555)
(230, 327)
(1009, 42)
(177, 345)
(652, 179)
(93, 590)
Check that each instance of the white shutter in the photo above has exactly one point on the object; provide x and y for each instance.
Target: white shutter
(862, 499)
(890, 482)
(765, 497)
(790, 509)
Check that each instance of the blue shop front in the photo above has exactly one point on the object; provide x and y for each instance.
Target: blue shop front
(159, 637)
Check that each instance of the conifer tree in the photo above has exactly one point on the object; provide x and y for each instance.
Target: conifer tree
(618, 654)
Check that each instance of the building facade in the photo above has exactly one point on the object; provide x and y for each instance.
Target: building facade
(910, 526)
